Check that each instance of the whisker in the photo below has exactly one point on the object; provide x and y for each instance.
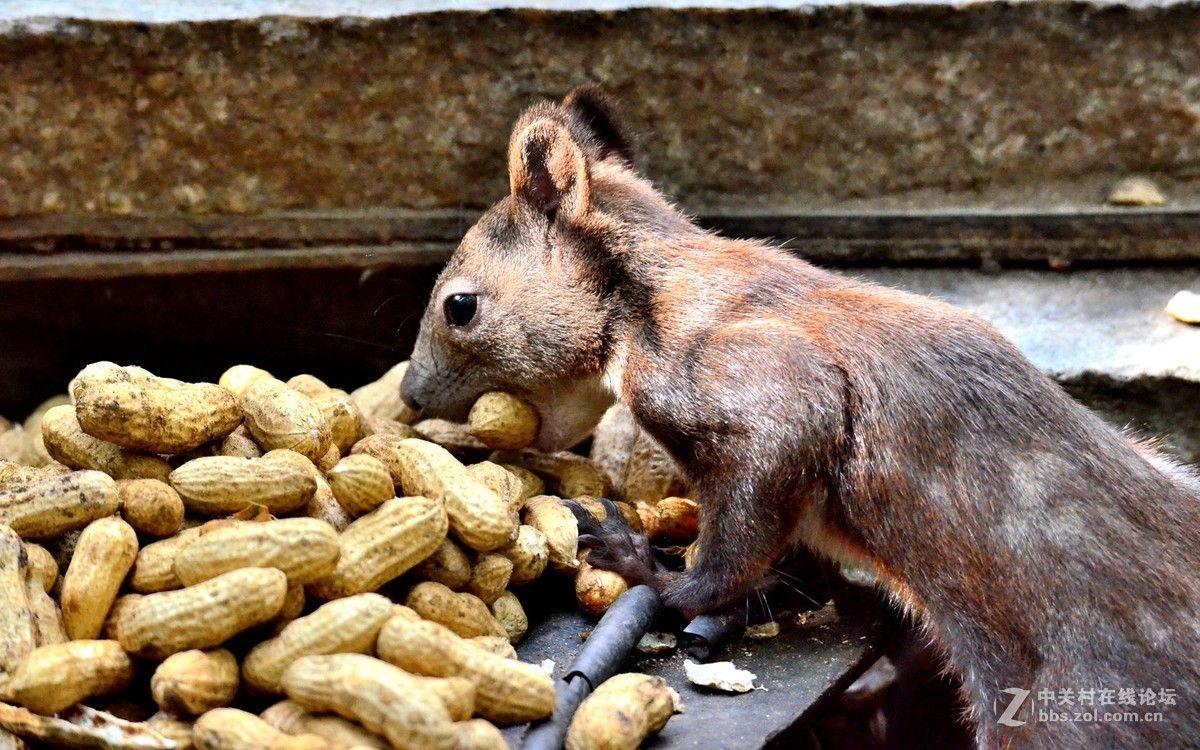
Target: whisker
(385, 303)
(766, 606)
(783, 579)
(366, 342)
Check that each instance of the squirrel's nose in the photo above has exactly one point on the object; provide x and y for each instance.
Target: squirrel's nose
(409, 401)
(410, 388)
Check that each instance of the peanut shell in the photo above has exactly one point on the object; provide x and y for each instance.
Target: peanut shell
(103, 556)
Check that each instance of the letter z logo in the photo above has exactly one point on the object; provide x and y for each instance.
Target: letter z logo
(1010, 711)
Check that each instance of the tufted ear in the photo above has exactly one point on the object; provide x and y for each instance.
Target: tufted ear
(548, 171)
(591, 109)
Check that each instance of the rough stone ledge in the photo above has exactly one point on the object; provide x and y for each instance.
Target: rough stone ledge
(781, 110)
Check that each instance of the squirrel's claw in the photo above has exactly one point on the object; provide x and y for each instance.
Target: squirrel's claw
(613, 545)
(588, 525)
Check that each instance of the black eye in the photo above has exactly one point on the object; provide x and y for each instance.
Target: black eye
(460, 309)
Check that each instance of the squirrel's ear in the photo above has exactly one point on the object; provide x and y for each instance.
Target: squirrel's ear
(547, 170)
(589, 107)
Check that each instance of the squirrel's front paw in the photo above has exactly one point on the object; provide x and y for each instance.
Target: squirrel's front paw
(613, 545)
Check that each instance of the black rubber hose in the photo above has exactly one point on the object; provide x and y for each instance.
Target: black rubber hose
(601, 656)
(708, 633)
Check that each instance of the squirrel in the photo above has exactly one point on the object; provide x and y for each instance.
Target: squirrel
(1041, 549)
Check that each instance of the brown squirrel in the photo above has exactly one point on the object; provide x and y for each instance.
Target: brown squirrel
(1041, 549)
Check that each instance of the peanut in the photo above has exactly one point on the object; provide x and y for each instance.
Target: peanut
(381, 697)
(597, 589)
(380, 426)
(678, 520)
(42, 566)
(329, 459)
(195, 681)
(648, 515)
(531, 484)
(621, 713)
(36, 452)
(48, 507)
(16, 446)
(238, 444)
(293, 607)
(47, 618)
(510, 614)
(14, 474)
(342, 416)
(507, 691)
(448, 565)
(67, 442)
(238, 379)
(111, 631)
(548, 515)
(305, 549)
(569, 475)
(150, 506)
(478, 516)
(503, 422)
(381, 399)
(310, 385)
(103, 556)
(289, 718)
(452, 436)
(217, 485)
(234, 729)
(106, 373)
(361, 483)
(612, 442)
(201, 616)
(18, 629)
(60, 675)
(465, 614)
(596, 510)
(650, 473)
(279, 417)
(478, 734)
(341, 626)
(154, 568)
(384, 544)
(172, 728)
(490, 576)
(325, 507)
(154, 419)
(501, 481)
(529, 554)
(55, 469)
(495, 644)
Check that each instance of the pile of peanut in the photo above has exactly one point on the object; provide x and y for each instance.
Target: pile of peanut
(171, 551)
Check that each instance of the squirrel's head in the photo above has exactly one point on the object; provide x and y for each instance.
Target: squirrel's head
(526, 304)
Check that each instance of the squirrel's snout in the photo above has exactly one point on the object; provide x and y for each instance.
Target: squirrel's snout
(409, 401)
(411, 388)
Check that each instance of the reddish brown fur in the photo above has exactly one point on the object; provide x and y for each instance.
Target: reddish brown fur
(1040, 548)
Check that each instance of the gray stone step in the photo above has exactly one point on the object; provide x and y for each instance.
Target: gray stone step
(1102, 334)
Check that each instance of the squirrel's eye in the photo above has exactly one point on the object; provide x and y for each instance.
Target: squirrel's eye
(460, 309)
